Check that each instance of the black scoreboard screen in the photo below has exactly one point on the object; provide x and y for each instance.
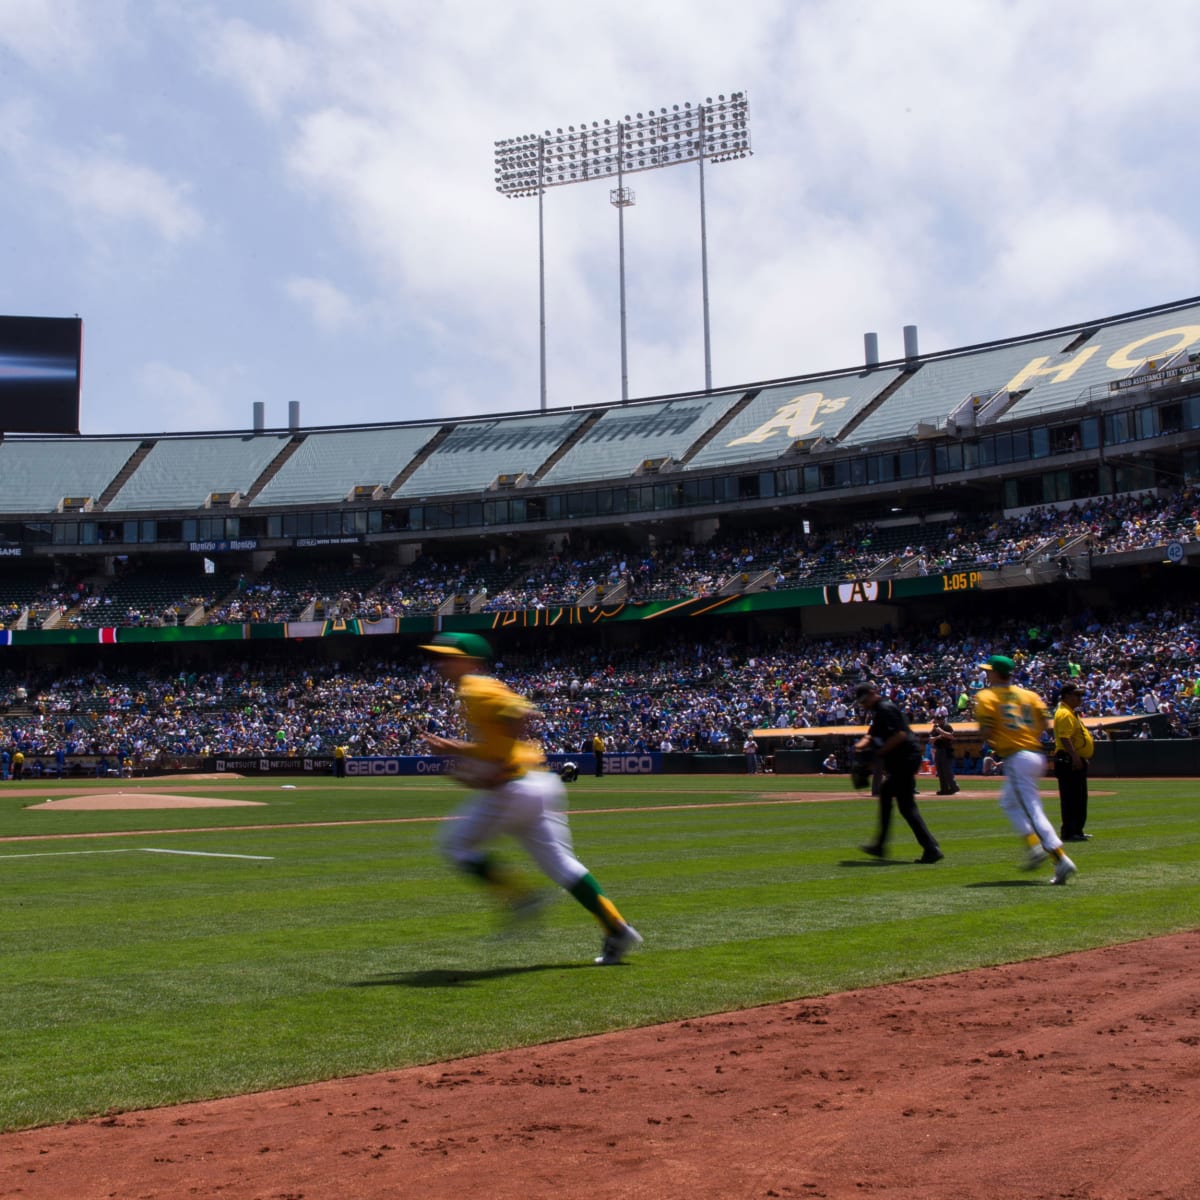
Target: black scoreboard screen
(39, 374)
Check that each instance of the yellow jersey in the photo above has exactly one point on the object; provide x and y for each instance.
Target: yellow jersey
(1070, 731)
(1012, 718)
(489, 706)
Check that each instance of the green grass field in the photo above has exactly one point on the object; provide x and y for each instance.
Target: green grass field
(137, 975)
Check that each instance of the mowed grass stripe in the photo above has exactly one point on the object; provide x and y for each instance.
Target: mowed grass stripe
(147, 979)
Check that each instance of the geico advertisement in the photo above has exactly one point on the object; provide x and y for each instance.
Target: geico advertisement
(614, 764)
(407, 764)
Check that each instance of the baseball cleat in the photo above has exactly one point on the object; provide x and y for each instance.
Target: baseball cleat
(617, 945)
(1034, 859)
(1065, 869)
(930, 856)
(873, 849)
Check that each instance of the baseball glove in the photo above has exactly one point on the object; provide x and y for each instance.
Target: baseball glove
(862, 767)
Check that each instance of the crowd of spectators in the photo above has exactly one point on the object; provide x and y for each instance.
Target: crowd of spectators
(683, 694)
(780, 557)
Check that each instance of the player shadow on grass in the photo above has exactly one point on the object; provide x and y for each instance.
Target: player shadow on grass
(875, 862)
(456, 977)
(1006, 883)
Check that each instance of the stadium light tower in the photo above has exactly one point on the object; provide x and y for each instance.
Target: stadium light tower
(528, 165)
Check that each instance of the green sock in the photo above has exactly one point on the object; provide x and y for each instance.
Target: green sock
(587, 892)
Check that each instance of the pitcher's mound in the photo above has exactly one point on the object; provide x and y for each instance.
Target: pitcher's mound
(108, 801)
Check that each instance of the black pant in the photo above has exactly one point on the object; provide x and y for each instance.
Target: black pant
(599, 763)
(899, 786)
(943, 760)
(1072, 796)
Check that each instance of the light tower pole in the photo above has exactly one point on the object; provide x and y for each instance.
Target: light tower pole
(527, 165)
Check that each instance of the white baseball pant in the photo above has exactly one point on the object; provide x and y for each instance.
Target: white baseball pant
(532, 810)
(1021, 800)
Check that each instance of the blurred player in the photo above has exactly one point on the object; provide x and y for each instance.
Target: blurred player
(1013, 720)
(512, 793)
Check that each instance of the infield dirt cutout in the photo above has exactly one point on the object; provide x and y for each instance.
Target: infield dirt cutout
(116, 801)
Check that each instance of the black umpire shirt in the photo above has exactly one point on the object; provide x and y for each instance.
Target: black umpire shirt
(886, 720)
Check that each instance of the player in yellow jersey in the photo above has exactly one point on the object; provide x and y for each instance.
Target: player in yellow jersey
(1013, 720)
(512, 793)
(1073, 748)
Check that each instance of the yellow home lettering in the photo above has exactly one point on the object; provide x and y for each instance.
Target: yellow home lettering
(1154, 345)
(1129, 357)
(1059, 373)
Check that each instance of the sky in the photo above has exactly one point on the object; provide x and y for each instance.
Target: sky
(293, 200)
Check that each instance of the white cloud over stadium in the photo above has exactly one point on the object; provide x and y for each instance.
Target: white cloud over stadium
(294, 201)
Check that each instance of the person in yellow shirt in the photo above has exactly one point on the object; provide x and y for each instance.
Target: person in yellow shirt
(1013, 720)
(1073, 747)
(512, 793)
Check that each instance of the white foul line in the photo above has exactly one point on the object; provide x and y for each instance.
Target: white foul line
(209, 854)
(138, 849)
(63, 853)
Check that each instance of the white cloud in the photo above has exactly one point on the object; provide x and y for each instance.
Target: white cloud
(108, 187)
(101, 185)
(59, 34)
(178, 399)
(327, 305)
(982, 169)
(269, 68)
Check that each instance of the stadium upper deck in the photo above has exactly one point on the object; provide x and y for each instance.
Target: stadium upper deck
(916, 425)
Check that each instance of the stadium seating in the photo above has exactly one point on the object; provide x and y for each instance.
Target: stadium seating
(329, 464)
(941, 386)
(150, 596)
(475, 454)
(185, 472)
(778, 418)
(36, 474)
(1113, 353)
(625, 438)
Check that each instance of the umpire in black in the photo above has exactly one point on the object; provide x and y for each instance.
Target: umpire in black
(896, 745)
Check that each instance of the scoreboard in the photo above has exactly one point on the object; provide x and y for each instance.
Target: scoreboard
(39, 374)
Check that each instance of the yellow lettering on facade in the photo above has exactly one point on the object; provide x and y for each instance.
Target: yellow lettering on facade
(798, 418)
(1128, 357)
(1060, 373)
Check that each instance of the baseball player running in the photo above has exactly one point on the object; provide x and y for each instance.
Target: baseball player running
(512, 793)
(1013, 720)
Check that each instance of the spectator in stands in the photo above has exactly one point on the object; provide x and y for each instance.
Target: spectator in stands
(750, 750)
